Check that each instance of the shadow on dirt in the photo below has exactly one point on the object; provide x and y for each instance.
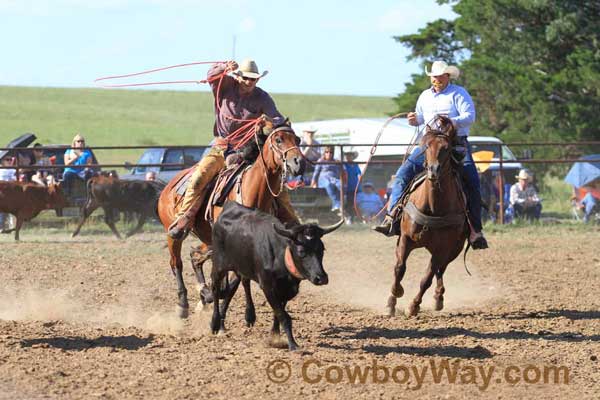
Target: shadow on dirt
(130, 342)
(477, 352)
(348, 332)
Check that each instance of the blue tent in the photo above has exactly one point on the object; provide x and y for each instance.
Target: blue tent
(582, 173)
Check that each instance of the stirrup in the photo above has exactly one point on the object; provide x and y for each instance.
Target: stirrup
(389, 227)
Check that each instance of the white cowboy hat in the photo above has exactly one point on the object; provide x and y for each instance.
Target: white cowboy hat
(441, 68)
(310, 129)
(249, 69)
(524, 174)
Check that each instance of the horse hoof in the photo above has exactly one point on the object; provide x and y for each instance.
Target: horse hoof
(221, 332)
(439, 304)
(413, 311)
(182, 312)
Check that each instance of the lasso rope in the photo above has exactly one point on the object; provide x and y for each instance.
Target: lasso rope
(371, 153)
(237, 138)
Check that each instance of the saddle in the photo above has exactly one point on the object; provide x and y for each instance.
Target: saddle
(218, 188)
(405, 205)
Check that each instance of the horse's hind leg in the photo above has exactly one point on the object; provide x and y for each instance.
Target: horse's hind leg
(183, 306)
(199, 256)
(402, 251)
(415, 305)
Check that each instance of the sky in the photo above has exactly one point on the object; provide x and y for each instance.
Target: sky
(308, 46)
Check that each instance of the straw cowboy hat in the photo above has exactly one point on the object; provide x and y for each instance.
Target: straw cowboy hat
(524, 174)
(441, 68)
(311, 129)
(351, 154)
(249, 69)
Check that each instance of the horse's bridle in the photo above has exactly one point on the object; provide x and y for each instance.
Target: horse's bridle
(447, 159)
(277, 151)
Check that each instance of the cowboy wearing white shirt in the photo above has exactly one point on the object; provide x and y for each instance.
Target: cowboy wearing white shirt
(453, 101)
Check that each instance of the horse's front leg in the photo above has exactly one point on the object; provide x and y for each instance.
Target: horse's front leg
(440, 289)
(199, 256)
(415, 305)
(177, 268)
(403, 249)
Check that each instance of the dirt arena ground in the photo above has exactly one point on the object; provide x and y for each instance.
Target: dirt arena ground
(93, 317)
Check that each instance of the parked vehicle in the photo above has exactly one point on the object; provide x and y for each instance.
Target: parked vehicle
(184, 157)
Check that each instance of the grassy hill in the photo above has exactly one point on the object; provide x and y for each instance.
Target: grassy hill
(136, 117)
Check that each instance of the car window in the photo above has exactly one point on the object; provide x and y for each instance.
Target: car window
(507, 155)
(151, 156)
(174, 156)
(192, 156)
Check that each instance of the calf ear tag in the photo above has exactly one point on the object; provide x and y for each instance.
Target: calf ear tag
(290, 265)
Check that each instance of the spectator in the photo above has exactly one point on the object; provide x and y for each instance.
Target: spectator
(75, 156)
(327, 176)
(312, 154)
(369, 202)
(151, 176)
(590, 202)
(6, 174)
(489, 197)
(524, 198)
(352, 174)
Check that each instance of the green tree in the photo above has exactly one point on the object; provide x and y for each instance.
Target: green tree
(532, 66)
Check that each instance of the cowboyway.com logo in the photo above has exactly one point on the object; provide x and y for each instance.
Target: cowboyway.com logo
(414, 377)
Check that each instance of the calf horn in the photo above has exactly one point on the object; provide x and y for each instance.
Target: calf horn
(331, 228)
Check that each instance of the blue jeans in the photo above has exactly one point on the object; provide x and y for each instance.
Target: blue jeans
(332, 186)
(589, 202)
(414, 165)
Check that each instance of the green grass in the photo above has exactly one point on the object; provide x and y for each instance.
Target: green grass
(135, 117)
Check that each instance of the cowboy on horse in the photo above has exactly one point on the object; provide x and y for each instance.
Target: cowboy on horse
(453, 101)
(237, 101)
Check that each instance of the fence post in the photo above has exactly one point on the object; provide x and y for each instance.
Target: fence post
(342, 199)
(501, 188)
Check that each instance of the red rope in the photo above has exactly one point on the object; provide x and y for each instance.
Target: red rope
(156, 70)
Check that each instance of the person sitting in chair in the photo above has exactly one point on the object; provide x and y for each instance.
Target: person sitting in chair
(77, 155)
(327, 175)
(524, 198)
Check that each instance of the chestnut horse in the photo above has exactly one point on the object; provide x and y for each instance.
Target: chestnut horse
(434, 217)
(261, 184)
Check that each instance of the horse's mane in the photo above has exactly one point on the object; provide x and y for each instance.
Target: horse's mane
(250, 151)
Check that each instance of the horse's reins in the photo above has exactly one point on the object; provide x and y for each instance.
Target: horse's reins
(281, 153)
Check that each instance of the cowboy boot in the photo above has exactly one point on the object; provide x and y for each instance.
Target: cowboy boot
(179, 228)
(391, 224)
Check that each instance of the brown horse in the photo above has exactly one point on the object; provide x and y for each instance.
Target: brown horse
(261, 184)
(434, 217)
